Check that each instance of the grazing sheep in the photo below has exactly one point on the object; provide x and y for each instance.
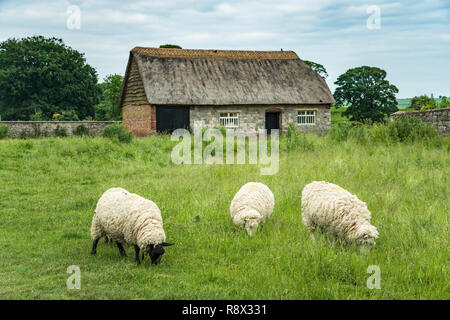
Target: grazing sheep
(128, 218)
(251, 206)
(336, 210)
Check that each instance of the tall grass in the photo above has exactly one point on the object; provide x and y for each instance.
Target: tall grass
(50, 187)
(402, 129)
(3, 131)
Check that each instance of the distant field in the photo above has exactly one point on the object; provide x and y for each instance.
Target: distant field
(403, 103)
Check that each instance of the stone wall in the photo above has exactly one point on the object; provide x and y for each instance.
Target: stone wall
(18, 129)
(253, 117)
(440, 118)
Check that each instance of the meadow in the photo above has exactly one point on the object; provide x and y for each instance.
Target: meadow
(49, 189)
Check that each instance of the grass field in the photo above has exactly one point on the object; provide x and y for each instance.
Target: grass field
(49, 189)
(337, 115)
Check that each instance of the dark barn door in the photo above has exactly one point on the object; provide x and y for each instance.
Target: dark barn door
(170, 118)
(272, 121)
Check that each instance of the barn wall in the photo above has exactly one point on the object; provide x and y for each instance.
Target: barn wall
(253, 117)
(134, 90)
(141, 119)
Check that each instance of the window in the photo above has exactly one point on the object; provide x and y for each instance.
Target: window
(306, 117)
(229, 119)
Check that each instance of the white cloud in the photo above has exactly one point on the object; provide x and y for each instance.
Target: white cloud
(413, 37)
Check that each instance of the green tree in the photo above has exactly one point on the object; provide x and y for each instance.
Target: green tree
(170, 46)
(444, 103)
(108, 108)
(431, 104)
(42, 76)
(420, 101)
(320, 69)
(367, 92)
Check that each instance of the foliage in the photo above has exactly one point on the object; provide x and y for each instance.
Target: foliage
(81, 130)
(43, 76)
(369, 95)
(108, 109)
(3, 131)
(60, 131)
(401, 129)
(320, 69)
(37, 116)
(419, 102)
(444, 103)
(170, 46)
(69, 115)
(293, 139)
(117, 132)
(337, 114)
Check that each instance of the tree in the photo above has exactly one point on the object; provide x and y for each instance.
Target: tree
(431, 104)
(320, 69)
(42, 76)
(420, 101)
(108, 108)
(444, 103)
(170, 46)
(367, 92)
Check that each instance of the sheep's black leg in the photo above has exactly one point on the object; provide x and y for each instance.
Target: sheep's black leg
(136, 250)
(143, 255)
(94, 246)
(121, 249)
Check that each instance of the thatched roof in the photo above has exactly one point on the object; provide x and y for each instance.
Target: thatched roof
(226, 77)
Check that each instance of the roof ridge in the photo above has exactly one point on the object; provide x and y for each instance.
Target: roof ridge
(214, 54)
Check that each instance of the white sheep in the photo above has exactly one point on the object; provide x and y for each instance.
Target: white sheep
(251, 206)
(330, 207)
(128, 218)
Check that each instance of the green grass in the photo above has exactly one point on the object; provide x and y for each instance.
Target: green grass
(337, 115)
(49, 189)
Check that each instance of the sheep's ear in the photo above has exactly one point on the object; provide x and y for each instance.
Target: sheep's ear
(166, 244)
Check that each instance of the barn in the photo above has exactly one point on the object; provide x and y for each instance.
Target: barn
(169, 88)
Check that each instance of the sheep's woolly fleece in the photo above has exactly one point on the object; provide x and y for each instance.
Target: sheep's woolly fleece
(254, 202)
(127, 218)
(328, 206)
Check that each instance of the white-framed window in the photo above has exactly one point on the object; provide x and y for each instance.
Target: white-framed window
(229, 119)
(306, 117)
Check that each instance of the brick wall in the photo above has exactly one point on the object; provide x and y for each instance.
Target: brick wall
(47, 128)
(141, 120)
(440, 118)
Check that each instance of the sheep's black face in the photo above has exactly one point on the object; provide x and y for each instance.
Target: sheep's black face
(156, 252)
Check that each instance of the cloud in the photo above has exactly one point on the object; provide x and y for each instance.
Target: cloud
(411, 45)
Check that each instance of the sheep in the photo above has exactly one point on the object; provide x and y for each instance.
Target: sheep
(251, 206)
(330, 207)
(128, 218)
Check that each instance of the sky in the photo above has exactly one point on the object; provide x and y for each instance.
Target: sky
(408, 39)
